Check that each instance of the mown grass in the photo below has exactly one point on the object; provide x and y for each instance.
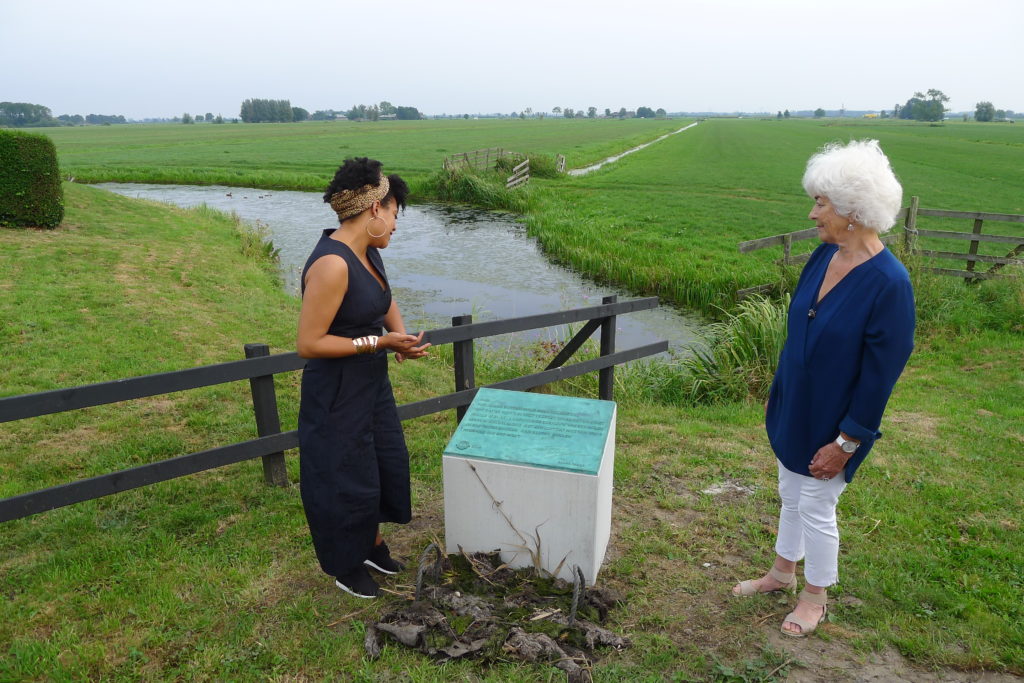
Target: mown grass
(680, 207)
(303, 156)
(212, 576)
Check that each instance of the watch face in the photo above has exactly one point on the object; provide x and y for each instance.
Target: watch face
(849, 446)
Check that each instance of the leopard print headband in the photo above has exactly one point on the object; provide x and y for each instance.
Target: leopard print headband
(348, 203)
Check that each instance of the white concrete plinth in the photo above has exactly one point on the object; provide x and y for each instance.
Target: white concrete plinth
(532, 515)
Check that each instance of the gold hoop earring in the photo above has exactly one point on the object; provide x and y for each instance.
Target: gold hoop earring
(376, 218)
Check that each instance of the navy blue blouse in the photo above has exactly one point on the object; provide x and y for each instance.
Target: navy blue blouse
(841, 359)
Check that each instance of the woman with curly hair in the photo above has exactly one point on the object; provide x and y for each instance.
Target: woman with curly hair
(850, 333)
(353, 462)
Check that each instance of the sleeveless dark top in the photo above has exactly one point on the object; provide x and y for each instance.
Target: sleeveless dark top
(365, 304)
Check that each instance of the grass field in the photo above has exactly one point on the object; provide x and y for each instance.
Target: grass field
(213, 577)
(700, 192)
(679, 208)
(303, 156)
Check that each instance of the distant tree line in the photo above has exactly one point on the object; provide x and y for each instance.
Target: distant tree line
(623, 113)
(199, 118)
(26, 114)
(271, 111)
(19, 114)
(986, 111)
(408, 114)
(326, 114)
(923, 107)
(648, 113)
(102, 118)
(260, 111)
(384, 110)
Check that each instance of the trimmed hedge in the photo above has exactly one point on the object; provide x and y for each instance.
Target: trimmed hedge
(30, 190)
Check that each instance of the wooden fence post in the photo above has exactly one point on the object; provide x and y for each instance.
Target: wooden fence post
(465, 374)
(606, 376)
(910, 226)
(264, 404)
(973, 250)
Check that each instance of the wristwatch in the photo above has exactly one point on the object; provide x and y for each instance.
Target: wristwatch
(848, 445)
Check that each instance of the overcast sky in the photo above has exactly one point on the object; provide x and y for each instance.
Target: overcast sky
(148, 59)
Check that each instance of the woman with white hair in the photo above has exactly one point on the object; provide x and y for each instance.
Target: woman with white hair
(850, 333)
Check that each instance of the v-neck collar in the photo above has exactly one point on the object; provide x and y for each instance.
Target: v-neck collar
(383, 279)
(816, 302)
(812, 326)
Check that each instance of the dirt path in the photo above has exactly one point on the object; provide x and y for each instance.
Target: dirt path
(821, 660)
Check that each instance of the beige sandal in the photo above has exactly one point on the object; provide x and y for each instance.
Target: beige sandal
(807, 627)
(748, 588)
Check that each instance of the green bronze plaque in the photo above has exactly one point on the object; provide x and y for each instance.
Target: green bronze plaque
(536, 430)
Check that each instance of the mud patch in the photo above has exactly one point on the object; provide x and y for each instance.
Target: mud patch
(728, 487)
(481, 608)
(814, 659)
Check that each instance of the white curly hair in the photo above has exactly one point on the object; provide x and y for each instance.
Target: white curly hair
(859, 182)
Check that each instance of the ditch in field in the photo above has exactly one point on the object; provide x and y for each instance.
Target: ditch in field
(443, 261)
(612, 159)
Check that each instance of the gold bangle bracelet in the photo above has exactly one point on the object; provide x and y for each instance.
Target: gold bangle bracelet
(366, 344)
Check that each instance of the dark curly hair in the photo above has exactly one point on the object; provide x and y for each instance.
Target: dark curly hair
(360, 171)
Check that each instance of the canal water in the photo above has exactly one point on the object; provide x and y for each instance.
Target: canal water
(443, 261)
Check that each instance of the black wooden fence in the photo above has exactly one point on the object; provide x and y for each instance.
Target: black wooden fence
(259, 368)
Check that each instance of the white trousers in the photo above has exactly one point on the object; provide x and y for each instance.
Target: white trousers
(807, 524)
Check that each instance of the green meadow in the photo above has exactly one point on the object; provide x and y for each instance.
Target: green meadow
(679, 208)
(303, 156)
(212, 577)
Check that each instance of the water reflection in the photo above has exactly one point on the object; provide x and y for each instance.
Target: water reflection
(443, 261)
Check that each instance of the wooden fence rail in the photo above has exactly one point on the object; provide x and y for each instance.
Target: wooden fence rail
(260, 367)
(520, 175)
(908, 236)
(480, 159)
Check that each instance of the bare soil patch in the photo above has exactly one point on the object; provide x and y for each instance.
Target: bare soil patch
(479, 607)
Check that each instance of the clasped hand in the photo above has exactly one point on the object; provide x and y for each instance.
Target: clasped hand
(829, 461)
(405, 346)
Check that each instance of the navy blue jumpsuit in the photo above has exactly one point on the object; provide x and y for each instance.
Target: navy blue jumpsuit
(353, 462)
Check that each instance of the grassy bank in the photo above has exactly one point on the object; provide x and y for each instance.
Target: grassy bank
(680, 207)
(213, 576)
(303, 156)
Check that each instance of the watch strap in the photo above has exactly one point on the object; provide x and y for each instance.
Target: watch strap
(841, 442)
